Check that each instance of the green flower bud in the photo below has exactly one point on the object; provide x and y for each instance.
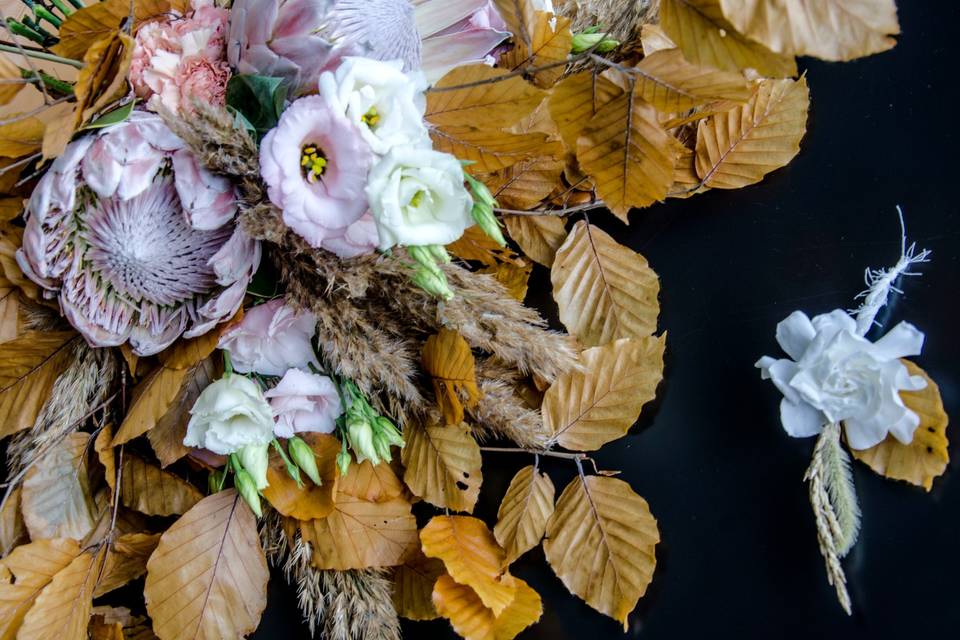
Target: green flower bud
(360, 434)
(484, 217)
(389, 432)
(423, 256)
(343, 462)
(599, 42)
(433, 282)
(439, 253)
(215, 481)
(303, 455)
(248, 491)
(481, 194)
(255, 458)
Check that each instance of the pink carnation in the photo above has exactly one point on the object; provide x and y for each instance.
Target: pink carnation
(304, 401)
(203, 80)
(271, 338)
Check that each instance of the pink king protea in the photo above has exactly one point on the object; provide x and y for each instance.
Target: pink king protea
(136, 239)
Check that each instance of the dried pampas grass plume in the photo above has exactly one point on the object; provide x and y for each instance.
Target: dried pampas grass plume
(622, 19)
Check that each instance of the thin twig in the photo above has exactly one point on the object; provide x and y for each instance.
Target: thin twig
(538, 452)
(20, 163)
(590, 206)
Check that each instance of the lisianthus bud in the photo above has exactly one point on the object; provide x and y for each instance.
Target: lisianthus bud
(439, 253)
(247, 487)
(215, 480)
(389, 432)
(255, 458)
(484, 217)
(343, 462)
(433, 281)
(360, 434)
(599, 42)
(424, 256)
(303, 455)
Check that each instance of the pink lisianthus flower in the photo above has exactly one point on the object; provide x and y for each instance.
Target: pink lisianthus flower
(271, 339)
(304, 401)
(360, 238)
(315, 164)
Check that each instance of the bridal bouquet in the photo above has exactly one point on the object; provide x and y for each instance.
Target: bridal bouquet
(259, 305)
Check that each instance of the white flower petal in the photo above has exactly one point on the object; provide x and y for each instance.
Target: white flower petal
(800, 420)
(900, 342)
(795, 334)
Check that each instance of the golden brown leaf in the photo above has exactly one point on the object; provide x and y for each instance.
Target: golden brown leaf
(359, 534)
(32, 567)
(653, 38)
(497, 104)
(489, 149)
(153, 491)
(102, 630)
(166, 437)
(105, 454)
(13, 531)
(604, 290)
(104, 77)
(62, 610)
(57, 501)
(476, 245)
(519, 16)
(686, 182)
(442, 465)
(835, 30)
(603, 515)
(576, 99)
(447, 358)
(527, 183)
(667, 81)
(413, 587)
(370, 482)
(538, 237)
(627, 153)
(29, 366)
(927, 456)
(740, 146)
(84, 27)
(207, 579)
(152, 399)
(20, 137)
(514, 278)
(309, 501)
(707, 39)
(587, 409)
(126, 560)
(187, 353)
(471, 556)
(549, 44)
(524, 511)
(11, 82)
(473, 621)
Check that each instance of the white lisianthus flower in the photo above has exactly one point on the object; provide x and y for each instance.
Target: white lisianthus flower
(417, 198)
(384, 103)
(837, 375)
(229, 415)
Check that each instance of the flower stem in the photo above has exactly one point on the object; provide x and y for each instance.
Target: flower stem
(42, 55)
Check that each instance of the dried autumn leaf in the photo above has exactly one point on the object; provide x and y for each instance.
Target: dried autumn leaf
(207, 578)
(605, 516)
(359, 534)
(187, 353)
(9, 310)
(538, 237)
(21, 136)
(476, 245)
(473, 621)
(11, 82)
(686, 182)
(149, 489)
(471, 556)
(604, 290)
(62, 610)
(447, 358)
(501, 103)
(627, 153)
(589, 408)
(57, 500)
(549, 44)
(926, 457)
(667, 81)
(514, 278)
(101, 630)
(152, 399)
(103, 79)
(309, 501)
(527, 183)
(737, 148)
(413, 587)
(86, 26)
(519, 16)
(105, 454)
(707, 39)
(32, 567)
(126, 560)
(576, 99)
(166, 437)
(524, 511)
(489, 149)
(442, 465)
(370, 482)
(13, 531)
(653, 38)
(834, 30)
(29, 366)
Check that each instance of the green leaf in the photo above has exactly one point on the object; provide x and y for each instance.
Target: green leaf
(258, 99)
(118, 115)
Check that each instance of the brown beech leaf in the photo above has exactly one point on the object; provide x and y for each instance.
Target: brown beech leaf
(102, 630)
(11, 82)
(57, 500)
(497, 104)
(575, 100)
(152, 399)
(186, 354)
(29, 366)
(166, 437)
(627, 153)
(62, 610)
(514, 278)
(613, 526)
(126, 561)
(835, 30)
(926, 457)
(370, 482)
(538, 237)
(654, 38)
(104, 78)
(686, 182)
(13, 530)
(549, 44)
(9, 310)
(106, 620)
(310, 501)
(31, 567)
(706, 38)
(519, 16)
(476, 245)
(471, 556)
(667, 81)
(473, 621)
(489, 149)
(442, 465)
(207, 578)
(359, 534)
(447, 358)
(106, 456)
(149, 489)
(737, 148)
(604, 290)
(587, 409)
(524, 510)
(86, 26)
(413, 587)
(20, 137)
(527, 183)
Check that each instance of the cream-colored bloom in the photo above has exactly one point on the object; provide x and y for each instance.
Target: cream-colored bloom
(229, 415)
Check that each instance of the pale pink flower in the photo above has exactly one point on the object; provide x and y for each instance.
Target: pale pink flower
(202, 80)
(360, 238)
(321, 199)
(457, 32)
(271, 339)
(304, 401)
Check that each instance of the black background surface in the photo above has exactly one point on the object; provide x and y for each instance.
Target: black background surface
(739, 554)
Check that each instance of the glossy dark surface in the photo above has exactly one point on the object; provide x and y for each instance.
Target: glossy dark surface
(739, 555)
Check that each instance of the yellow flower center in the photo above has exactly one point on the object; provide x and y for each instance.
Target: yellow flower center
(371, 118)
(313, 162)
(417, 198)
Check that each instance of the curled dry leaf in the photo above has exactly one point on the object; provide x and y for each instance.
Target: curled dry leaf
(166, 437)
(153, 491)
(538, 237)
(106, 455)
(589, 408)
(473, 621)
(498, 104)
(654, 38)
(152, 398)
(30, 568)
(603, 515)
(29, 366)
(514, 278)
(57, 499)
(829, 29)
(575, 100)
(62, 610)
(126, 560)
(524, 511)
(309, 501)
(926, 457)
(471, 556)
(519, 16)
(667, 81)
(447, 358)
(86, 26)
(738, 147)
(207, 579)
(603, 289)
(413, 587)
(13, 530)
(549, 44)
(442, 465)
(706, 38)
(370, 482)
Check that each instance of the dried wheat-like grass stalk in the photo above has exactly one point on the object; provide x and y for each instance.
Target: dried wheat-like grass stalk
(622, 19)
(501, 412)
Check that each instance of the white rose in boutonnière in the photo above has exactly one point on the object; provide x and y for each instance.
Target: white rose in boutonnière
(385, 103)
(230, 414)
(836, 375)
(417, 198)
